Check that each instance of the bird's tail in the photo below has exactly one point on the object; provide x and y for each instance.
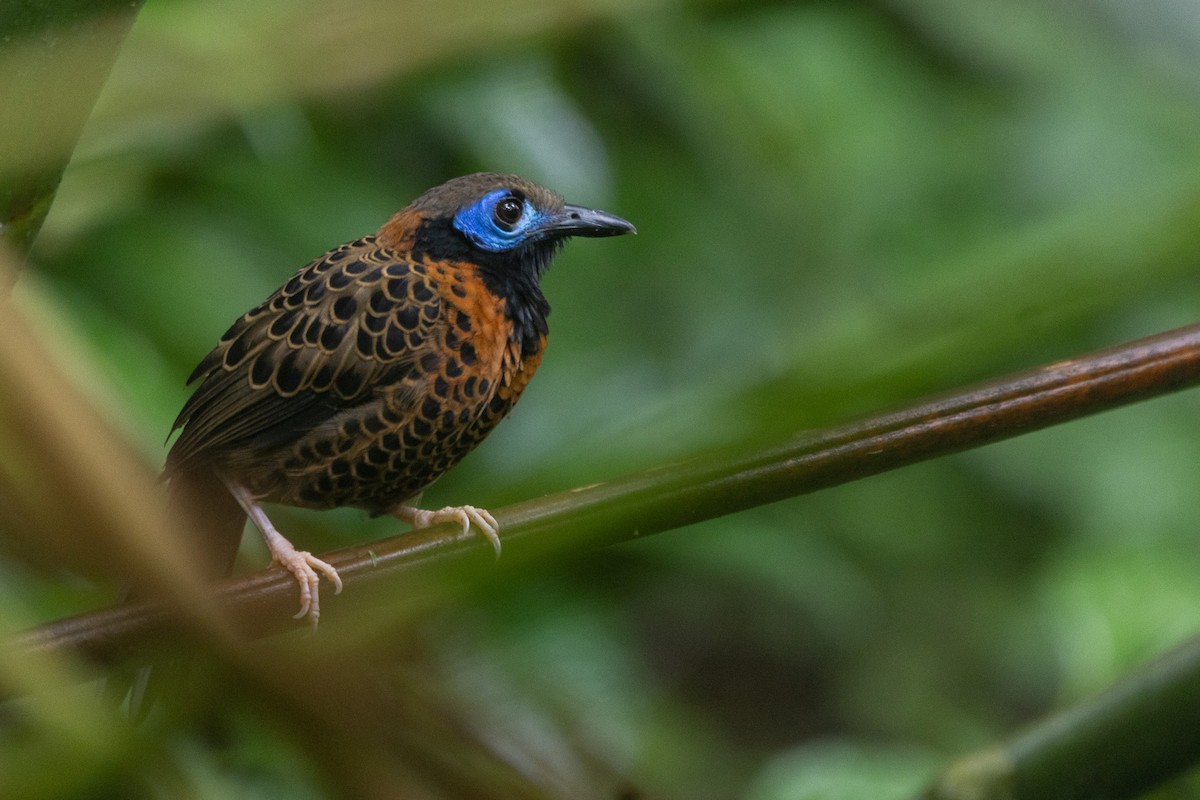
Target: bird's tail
(199, 499)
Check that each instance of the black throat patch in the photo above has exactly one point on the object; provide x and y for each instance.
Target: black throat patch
(513, 275)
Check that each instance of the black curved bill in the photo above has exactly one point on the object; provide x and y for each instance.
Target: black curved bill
(580, 221)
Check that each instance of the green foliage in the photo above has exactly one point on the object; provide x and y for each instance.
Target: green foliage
(841, 207)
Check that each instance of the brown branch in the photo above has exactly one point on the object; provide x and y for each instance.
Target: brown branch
(676, 495)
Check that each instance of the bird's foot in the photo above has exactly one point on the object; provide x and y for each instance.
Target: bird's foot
(305, 567)
(463, 515)
(301, 563)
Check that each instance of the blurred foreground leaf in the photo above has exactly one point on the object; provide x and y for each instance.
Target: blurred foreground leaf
(54, 59)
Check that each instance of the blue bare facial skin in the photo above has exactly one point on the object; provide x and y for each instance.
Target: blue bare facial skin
(498, 221)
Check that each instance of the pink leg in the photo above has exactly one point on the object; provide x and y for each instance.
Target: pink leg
(302, 564)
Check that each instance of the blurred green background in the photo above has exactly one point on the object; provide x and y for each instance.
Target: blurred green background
(841, 207)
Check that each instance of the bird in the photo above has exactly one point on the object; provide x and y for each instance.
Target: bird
(375, 369)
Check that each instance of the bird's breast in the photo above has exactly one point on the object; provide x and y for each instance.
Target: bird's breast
(480, 335)
(463, 382)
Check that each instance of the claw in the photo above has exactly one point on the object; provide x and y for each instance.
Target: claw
(304, 566)
(301, 563)
(463, 515)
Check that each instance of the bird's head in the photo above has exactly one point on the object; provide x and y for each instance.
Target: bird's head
(507, 226)
(507, 229)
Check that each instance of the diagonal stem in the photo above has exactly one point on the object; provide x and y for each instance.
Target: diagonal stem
(1134, 736)
(676, 495)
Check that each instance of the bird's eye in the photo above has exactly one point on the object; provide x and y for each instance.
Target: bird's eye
(508, 212)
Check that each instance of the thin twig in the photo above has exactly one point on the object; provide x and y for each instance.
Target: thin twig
(680, 494)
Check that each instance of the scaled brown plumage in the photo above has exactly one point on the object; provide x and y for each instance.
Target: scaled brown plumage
(378, 366)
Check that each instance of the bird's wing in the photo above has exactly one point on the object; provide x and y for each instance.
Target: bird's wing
(356, 318)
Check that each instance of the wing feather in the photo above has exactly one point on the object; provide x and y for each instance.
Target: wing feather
(358, 318)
